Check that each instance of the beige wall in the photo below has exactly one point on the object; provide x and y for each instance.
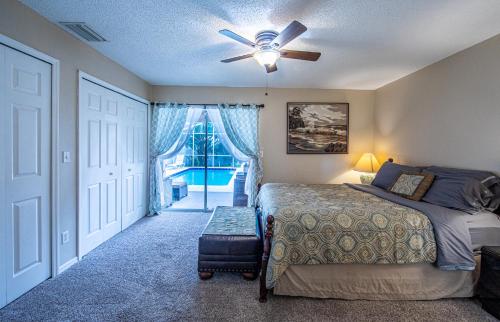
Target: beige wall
(279, 166)
(445, 114)
(24, 25)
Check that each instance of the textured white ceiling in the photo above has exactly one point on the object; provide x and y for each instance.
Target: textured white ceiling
(364, 43)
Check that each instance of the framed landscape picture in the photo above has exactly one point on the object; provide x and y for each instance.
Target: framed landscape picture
(317, 128)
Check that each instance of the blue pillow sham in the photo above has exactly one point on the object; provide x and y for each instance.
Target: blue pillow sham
(389, 172)
(466, 190)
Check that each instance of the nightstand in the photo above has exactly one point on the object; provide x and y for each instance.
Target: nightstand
(489, 282)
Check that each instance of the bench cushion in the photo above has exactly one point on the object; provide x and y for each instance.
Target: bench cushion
(232, 221)
(230, 242)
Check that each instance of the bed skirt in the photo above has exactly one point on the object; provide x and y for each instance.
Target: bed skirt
(377, 282)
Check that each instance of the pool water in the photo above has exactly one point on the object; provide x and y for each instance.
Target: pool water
(196, 176)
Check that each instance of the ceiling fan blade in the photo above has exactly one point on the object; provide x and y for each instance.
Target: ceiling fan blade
(238, 38)
(297, 54)
(291, 32)
(271, 68)
(228, 60)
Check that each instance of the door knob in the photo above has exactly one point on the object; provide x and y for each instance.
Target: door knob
(129, 169)
(111, 173)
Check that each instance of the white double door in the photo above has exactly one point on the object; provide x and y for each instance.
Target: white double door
(25, 116)
(134, 162)
(113, 153)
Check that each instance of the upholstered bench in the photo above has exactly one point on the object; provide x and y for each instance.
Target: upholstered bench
(231, 242)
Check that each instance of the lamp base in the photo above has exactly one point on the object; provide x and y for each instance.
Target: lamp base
(366, 178)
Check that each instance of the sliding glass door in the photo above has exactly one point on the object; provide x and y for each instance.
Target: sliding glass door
(184, 172)
(222, 167)
(204, 173)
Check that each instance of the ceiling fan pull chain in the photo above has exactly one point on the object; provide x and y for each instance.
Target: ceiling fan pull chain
(267, 83)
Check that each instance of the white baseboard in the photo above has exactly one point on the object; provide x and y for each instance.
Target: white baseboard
(67, 265)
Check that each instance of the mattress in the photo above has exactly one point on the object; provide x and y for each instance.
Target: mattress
(484, 229)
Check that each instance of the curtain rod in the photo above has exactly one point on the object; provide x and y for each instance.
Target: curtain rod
(212, 104)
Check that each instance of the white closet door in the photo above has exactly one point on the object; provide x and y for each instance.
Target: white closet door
(25, 209)
(134, 161)
(3, 217)
(100, 165)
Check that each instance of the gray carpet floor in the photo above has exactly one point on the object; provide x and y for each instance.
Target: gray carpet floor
(148, 273)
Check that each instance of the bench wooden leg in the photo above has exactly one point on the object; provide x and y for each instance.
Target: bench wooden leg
(250, 276)
(205, 275)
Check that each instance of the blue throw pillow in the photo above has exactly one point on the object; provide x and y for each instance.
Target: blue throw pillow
(389, 172)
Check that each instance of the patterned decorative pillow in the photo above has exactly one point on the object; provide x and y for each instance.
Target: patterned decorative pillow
(389, 172)
(412, 185)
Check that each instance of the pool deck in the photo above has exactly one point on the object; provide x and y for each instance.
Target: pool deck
(216, 195)
(170, 172)
(194, 200)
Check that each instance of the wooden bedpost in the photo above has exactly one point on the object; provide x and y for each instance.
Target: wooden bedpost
(265, 258)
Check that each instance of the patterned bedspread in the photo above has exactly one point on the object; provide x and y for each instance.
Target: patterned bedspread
(336, 224)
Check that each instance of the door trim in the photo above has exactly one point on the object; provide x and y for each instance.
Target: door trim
(54, 143)
(81, 77)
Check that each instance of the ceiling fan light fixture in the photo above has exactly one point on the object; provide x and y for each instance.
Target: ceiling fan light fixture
(267, 56)
(268, 46)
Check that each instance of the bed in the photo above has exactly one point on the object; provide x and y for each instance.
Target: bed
(361, 242)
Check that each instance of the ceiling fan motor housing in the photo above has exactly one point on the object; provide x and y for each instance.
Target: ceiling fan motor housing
(265, 37)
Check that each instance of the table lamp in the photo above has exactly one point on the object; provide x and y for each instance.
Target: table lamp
(368, 165)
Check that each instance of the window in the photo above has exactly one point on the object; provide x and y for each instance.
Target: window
(217, 154)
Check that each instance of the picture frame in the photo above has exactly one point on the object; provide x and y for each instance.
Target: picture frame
(317, 128)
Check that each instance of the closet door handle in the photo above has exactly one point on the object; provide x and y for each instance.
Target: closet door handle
(111, 173)
(129, 170)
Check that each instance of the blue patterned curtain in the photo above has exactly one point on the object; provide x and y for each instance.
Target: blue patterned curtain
(242, 128)
(167, 123)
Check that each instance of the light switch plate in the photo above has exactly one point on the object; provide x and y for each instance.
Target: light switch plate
(65, 237)
(66, 157)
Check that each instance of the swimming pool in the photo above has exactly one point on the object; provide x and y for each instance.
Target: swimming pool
(196, 176)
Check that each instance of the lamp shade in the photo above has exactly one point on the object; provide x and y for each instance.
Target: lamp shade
(367, 163)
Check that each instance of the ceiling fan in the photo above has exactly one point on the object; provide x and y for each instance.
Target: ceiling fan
(269, 46)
